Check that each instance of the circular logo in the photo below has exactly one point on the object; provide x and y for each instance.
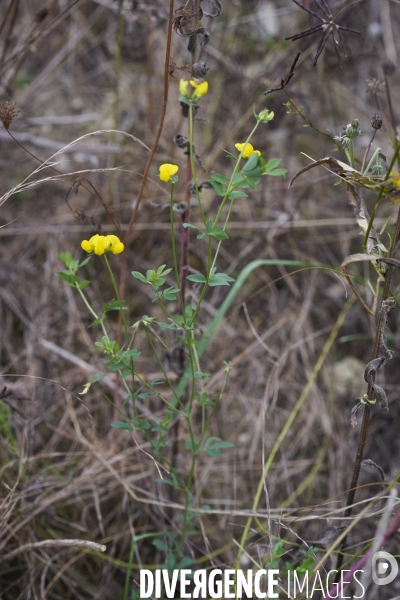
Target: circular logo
(384, 568)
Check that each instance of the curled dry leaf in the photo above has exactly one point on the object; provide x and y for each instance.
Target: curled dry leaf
(218, 7)
(353, 258)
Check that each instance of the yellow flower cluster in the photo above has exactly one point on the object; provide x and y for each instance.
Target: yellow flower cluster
(200, 88)
(248, 150)
(396, 180)
(167, 171)
(103, 243)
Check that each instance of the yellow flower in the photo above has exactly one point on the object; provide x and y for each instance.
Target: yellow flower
(396, 180)
(103, 243)
(248, 150)
(167, 171)
(200, 88)
(183, 88)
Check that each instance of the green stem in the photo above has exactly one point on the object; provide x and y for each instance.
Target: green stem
(118, 296)
(92, 312)
(375, 154)
(174, 255)
(171, 387)
(192, 164)
(228, 216)
(351, 153)
(377, 202)
(230, 188)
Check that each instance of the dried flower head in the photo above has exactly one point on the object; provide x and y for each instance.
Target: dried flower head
(8, 112)
(388, 68)
(376, 122)
(375, 85)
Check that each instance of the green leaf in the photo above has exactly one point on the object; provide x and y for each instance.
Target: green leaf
(97, 321)
(253, 182)
(121, 425)
(82, 284)
(237, 194)
(190, 446)
(167, 326)
(220, 279)
(306, 565)
(96, 378)
(251, 164)
(220, 190)
(277, 173)
(229, 154)
(113, 305)
(272, 164)
(139, 276)
(237, 180)
(116, 366)
(84, 262)
(201, 375)
(160, 545)
(66, 258)
(253, 173)
(134, 354)
(141, 423)
(191, 226)
(197, 278)
(68, 277)
(219, 178)
(218, 233)
(214, 445)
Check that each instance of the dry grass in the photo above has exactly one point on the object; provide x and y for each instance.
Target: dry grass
(64, 473)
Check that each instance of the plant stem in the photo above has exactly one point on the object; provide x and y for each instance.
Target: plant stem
(174, 255)
(118, 296)
(92, 312)
(377, 201)
(367, 409)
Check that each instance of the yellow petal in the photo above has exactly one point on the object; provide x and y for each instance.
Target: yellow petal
(117, 248)
(201, 88)
(105, 241)
(113, 239)
(248, 150)
(87, 246)
(99, 249)
(183, 88)
(167, 171)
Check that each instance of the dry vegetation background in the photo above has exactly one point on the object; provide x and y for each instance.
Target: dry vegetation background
(64, 473)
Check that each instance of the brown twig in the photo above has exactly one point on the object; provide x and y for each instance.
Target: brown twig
(367, 408)
(148, 164)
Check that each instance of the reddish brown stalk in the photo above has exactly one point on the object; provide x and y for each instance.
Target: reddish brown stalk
(189, 177)
(367, 409)
(146, 171)
(152, 151)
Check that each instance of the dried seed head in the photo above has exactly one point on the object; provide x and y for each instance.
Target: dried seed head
(8, 112)
(375, 85)
(200, 69)
(376, 122)
(388, 67)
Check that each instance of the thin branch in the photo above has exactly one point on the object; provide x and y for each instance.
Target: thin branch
(55, 544)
